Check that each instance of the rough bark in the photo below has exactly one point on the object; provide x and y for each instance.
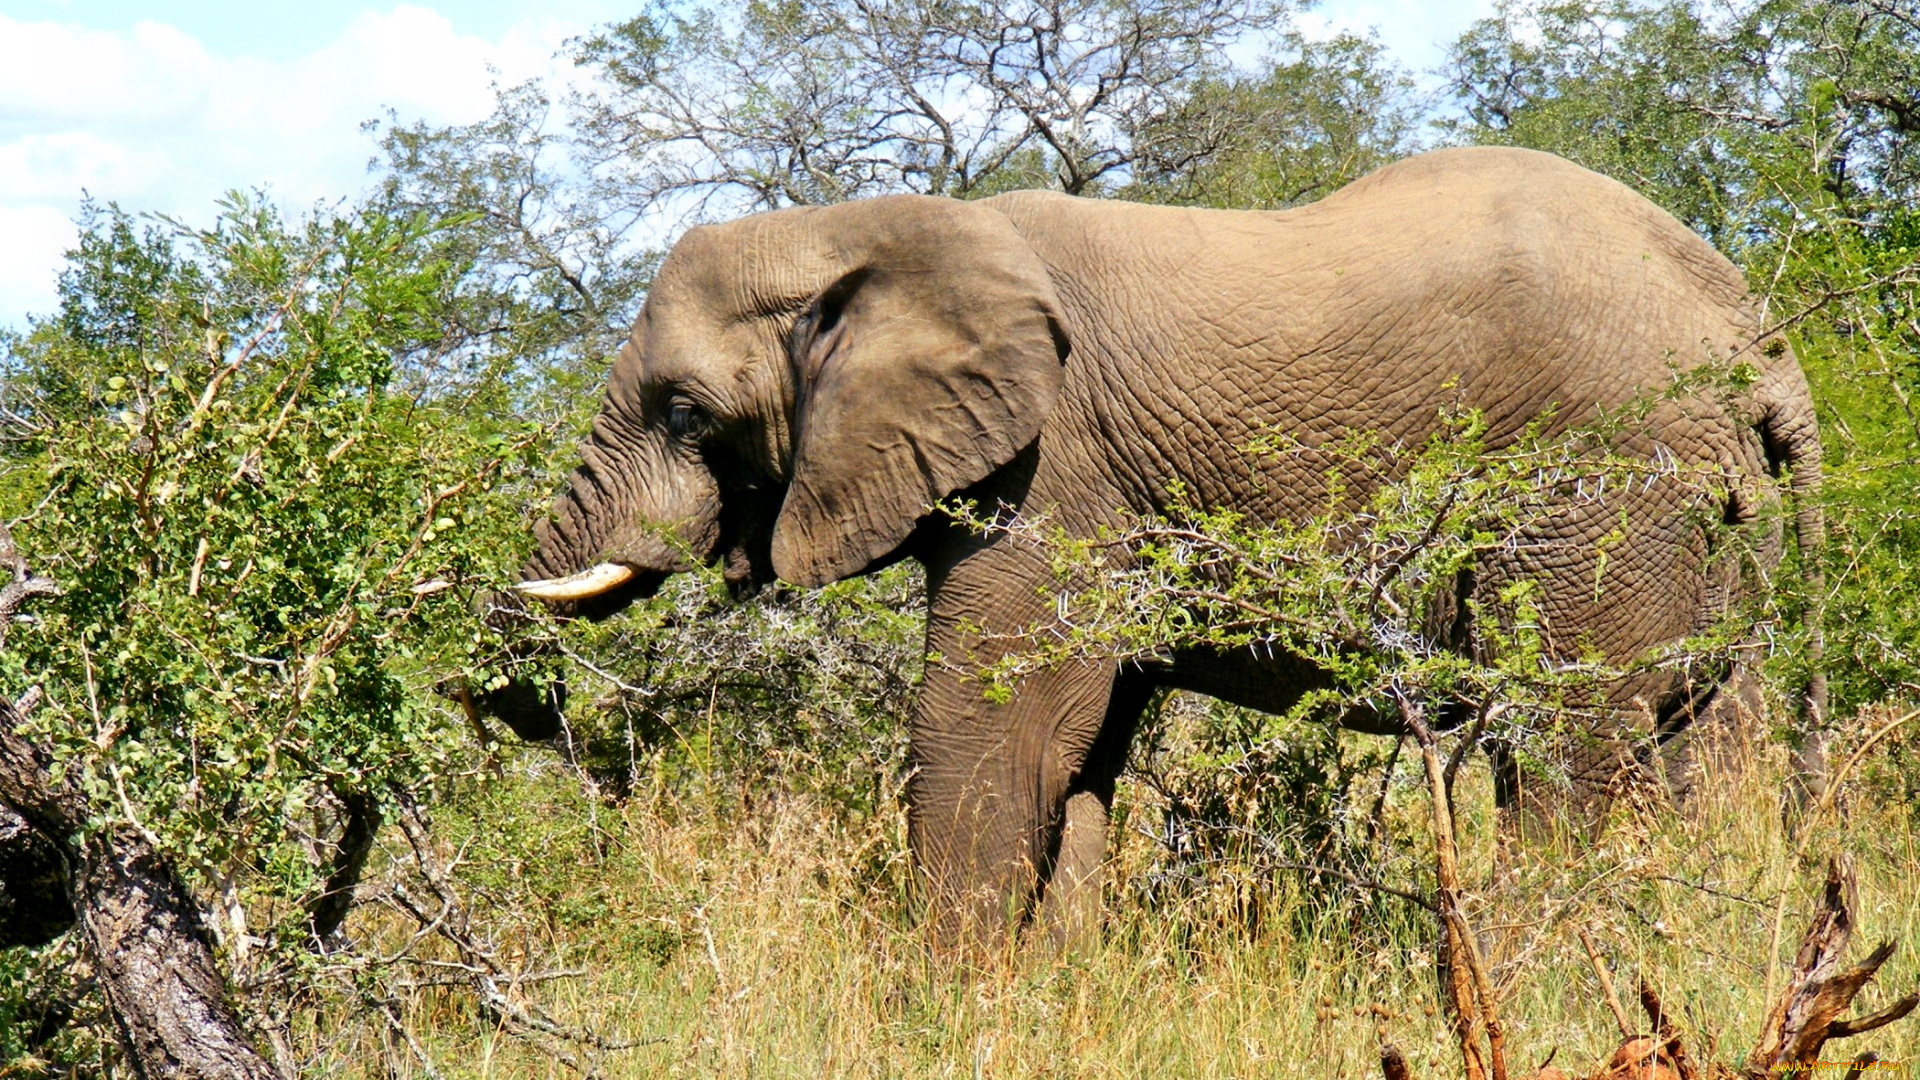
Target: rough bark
(151, 954)
(155, 962)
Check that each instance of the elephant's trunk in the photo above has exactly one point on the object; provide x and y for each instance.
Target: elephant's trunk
(634, 512)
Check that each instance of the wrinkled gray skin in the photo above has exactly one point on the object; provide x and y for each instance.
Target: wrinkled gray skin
(803, 384)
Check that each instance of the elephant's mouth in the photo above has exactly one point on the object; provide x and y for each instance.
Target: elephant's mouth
(534, 711)
(642, 585)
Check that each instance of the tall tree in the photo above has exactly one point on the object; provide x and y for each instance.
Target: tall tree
(766, 104)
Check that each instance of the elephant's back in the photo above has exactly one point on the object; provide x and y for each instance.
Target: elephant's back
(1512, 269)
(1507, 281)
(1521, 198)
(1532, 262)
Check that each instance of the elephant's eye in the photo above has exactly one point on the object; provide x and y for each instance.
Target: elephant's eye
(686, 420)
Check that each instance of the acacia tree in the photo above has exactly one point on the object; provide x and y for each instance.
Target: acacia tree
(1389, 589)
(772, 104)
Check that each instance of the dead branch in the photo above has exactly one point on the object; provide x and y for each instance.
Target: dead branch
(1606, 984)
(1801, 1022)
(1818, 990)
(1671, 1052)
(1469, 992)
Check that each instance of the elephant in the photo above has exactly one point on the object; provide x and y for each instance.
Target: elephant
(804, 386)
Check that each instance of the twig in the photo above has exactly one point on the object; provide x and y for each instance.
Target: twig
(1606, 984)
(1359, 882)
(1471, 993)
(485, 971)
(199, 564)
(394, 1024)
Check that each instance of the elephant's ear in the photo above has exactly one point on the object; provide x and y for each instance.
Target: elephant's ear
(928, 365)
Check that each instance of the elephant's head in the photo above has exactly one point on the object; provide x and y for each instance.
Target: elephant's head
(800, 387)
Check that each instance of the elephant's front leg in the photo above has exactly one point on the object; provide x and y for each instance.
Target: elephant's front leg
(989, 793)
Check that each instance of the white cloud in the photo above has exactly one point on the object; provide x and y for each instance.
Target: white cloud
(32, 239)
(42, 169)
(151, 119)
(52, 73)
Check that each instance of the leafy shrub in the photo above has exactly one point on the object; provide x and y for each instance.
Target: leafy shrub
(267, 526)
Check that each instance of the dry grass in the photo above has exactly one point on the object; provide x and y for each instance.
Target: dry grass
(741, 937)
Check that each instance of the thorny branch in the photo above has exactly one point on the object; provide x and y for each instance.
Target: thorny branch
(443, 915)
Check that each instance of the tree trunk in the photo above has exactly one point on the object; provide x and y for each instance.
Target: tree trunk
(141, 928)
(152, 956)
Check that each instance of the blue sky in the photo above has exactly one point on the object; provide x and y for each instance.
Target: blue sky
(165, 106)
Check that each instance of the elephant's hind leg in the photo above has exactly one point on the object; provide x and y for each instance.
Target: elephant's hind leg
(1711, 743)
(1070, 902)
(1701, 732)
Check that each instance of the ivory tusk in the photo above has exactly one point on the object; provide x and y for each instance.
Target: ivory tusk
(587, 583)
